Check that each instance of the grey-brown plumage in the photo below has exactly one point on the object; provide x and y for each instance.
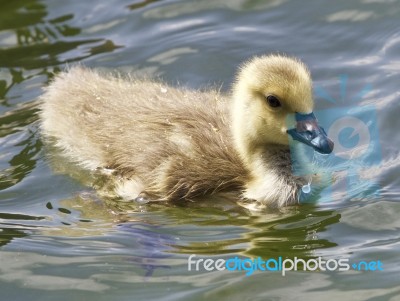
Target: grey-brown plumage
(174, 143)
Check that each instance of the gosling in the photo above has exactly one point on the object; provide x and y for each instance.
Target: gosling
(171, 144)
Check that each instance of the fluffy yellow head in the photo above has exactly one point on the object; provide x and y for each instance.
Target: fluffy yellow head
(267, 89)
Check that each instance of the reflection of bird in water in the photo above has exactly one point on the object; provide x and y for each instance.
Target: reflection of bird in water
(140, 242)
(167, 143)
(149, 246)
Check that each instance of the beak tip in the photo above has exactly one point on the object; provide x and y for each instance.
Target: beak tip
(325, 146)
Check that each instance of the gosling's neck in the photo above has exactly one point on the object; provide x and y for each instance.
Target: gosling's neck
(269, 168)
(243, 137)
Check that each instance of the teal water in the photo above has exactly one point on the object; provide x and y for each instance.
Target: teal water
(59, 241)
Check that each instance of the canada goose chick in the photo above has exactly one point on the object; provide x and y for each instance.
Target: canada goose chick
(168, 143)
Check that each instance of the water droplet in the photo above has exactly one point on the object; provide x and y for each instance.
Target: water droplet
(141, 200)
(306, 188)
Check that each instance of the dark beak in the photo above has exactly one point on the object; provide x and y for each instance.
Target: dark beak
(310, 133)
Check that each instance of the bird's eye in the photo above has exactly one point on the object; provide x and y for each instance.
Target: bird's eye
(273, 101)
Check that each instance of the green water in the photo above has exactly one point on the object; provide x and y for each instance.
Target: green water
(59, 241)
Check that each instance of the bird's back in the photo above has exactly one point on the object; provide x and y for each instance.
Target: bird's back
(175, 141)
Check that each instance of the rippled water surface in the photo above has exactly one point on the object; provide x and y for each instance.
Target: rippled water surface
(59, 241)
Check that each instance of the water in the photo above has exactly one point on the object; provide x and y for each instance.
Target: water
(60, 241)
